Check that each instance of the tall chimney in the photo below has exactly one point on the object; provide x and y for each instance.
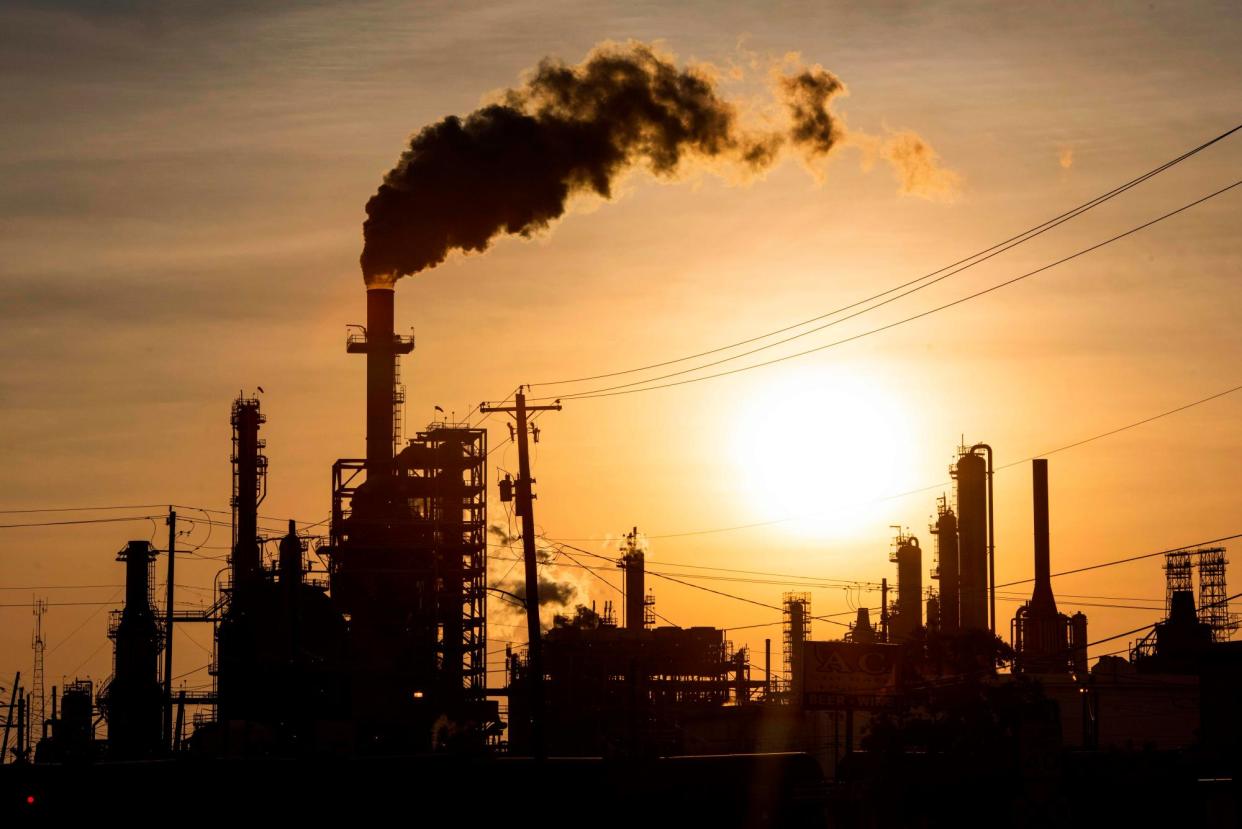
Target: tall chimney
(1042, 597)
(381, 346)
(381, 381)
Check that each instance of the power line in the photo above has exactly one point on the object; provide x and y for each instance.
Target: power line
(907, 493)
(82, 521)
(626, 388)
(1120, 429)
(61, 587)
(817, 329)
(591, 570)
(705, 589)
(973, 259)
(1153, 624)
(80, 509)
(1127, 560)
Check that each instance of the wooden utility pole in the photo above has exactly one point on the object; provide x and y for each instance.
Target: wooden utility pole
(884, 609)
(171, 521)
(8, 719)
(524, 496)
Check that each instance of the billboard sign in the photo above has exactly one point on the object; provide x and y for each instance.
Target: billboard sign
(848, 674)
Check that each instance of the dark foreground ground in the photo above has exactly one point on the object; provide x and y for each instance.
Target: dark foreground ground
(786, 790)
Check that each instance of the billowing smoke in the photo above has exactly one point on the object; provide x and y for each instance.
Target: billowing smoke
(559, 586)
(511, 167)
(807, 95)
(554, 593)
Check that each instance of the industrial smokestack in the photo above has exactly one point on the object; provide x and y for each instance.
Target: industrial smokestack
(382, 347)
(1042, 596)
(1040, 633)
(381, 380)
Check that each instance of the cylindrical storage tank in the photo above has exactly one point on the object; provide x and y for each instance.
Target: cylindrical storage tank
(972, 541)
(909, 589)
(933, 613)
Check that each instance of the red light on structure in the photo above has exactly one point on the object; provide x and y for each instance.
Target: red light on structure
(29, 800)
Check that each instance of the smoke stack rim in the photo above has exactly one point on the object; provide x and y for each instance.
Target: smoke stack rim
(381, 281)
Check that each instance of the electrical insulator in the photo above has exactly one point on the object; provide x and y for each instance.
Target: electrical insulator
(506, 488)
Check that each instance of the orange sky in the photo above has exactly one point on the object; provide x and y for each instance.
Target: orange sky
(181, 219)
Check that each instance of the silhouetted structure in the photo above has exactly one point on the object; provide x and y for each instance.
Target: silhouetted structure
(795, 631)
(1040, 633)
(970, 473)
(280, 642)
(1178, 644)
(638, 604)
(946, 571)
(861, 631)
(906, 615)
(385, 653)
(626, 690)
(408, 563)
(132, 700)
(932, 621)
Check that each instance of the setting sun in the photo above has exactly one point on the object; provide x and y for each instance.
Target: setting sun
(823, 448)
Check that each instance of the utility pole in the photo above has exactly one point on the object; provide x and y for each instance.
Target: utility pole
(171, 521)
(884, 608)
(22, 708)
(8, 719)
(524, 497)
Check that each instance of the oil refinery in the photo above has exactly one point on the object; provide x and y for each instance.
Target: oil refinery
(366, 659)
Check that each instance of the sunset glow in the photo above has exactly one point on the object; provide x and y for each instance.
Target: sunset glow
(822, 447)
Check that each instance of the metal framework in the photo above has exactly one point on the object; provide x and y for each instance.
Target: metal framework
(444, 470)
(795, 630)
(37, 687)
(1213, 596)
(455, 508)
(244, 407)
(398, 403)
(1179, 577)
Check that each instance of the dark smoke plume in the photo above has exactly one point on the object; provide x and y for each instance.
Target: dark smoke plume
(511, 167)
(807, 95)
(551, 593)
